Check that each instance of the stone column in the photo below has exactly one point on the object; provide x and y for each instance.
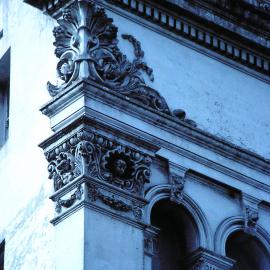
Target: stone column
(99, 161)
(99, 184)
(202, 259)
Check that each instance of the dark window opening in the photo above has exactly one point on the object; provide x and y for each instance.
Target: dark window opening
(2, 255)
(178, 235)
(247, 251)
(4, 97)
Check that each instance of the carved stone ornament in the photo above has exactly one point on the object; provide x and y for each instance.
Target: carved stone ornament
(87, 153)
(86, 45)
(114, 203)
(177, 188)
(251, 219)
(67, 203)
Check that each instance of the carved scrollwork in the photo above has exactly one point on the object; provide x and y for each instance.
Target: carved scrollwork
(86, 45)
(87, 153)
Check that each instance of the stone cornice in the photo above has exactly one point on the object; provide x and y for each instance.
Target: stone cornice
(216, 34)
(219, 28)
(167, 122)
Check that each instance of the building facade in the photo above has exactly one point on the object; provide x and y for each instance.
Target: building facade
(155, 127)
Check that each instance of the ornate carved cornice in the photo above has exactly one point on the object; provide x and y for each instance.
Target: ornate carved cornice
(238, 30)
(206, 28)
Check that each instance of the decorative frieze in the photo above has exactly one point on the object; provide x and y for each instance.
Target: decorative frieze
(115, 202)
(168, 19)
(88, 153)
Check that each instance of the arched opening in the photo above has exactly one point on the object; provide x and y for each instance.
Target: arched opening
(248, 252)
(178, 235)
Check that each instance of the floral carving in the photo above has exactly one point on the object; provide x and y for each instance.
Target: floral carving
(87, 153)
(126, 168)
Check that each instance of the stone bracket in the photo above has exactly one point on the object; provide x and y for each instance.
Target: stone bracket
(251, 213)
(177, 176)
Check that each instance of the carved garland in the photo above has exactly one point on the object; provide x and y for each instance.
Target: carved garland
(67, 203)
(95, 194)
(87, 153)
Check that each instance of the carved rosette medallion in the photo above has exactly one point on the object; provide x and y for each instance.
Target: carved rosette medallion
(88, 153)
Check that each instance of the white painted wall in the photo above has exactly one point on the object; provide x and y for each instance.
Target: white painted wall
(22, 164)
(223, 101)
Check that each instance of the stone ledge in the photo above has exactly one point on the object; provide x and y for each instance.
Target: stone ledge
(167, 122)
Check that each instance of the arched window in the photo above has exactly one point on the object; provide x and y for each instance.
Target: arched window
(178, 235)
(248, 252)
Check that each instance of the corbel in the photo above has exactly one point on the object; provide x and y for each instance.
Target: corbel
(251, 213)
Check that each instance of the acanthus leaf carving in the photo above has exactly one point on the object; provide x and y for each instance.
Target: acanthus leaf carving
(87, 47)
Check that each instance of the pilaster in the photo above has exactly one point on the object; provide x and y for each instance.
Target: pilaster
(99, 168)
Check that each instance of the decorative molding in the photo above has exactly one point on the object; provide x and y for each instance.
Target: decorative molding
(227, 46)
(202, 259)
(88, 153)
(95, 194)
(67, 203)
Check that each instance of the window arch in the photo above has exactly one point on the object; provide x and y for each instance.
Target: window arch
(178, 235)
(248, 252)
